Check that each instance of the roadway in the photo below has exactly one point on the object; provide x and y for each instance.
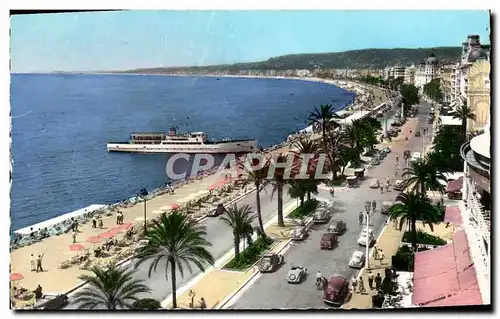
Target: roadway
(221, 237)
(268, 291)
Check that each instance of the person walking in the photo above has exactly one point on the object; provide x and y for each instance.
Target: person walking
(118, 217)
(39, 263)
(94, 222)
(378, 281)
(374, 205)
(32, 263)
(361, 217)
(361, 285)
(74, 236)
(375, 252)
(381, 188)
(381, 256)
(100, 222)
(354, 284)
(370, 280)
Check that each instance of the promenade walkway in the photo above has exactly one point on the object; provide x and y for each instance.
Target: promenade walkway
(56, 248)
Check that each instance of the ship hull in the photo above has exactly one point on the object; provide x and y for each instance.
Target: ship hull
(217, 148)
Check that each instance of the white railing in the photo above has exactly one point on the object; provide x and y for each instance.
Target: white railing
(478, 233)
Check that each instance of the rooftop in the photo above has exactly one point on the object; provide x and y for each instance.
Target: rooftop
(481, 144)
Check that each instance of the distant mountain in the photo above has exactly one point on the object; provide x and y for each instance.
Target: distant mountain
(355, 59)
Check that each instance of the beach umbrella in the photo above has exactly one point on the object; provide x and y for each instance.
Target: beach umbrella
(15, 276)
(76, 247)
(125, 226)
(175, 206)
(107, 235)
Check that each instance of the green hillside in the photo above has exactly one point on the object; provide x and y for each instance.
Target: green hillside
(355, 59)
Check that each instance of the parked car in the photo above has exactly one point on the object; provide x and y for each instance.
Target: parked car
(336, 290)
(51, 302)
(366, 238)
(374, 183)
(386, 150)
(321, 216)
(270, 262)
(385, 207)
(337, 227)
(357, 260)
(217, 211)
(416, 156)
(375, 161)
(417, 134)
(296, 274)
(299, 233)
(398, 185)
(328, 241)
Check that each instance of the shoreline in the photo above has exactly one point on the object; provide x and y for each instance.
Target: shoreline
(62, 225)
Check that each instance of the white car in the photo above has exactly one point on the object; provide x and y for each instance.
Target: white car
(416, 156)
(366, 238)
(357, 260)
(374, 183)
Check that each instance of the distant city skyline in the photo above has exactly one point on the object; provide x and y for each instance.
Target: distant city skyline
(139, 39)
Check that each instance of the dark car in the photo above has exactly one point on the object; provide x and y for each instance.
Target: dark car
(337, 227)
(417, 134)
(270, 262)
(218, 211)
(51, 302)
(321, 216)
(328, 241)
(336, 290)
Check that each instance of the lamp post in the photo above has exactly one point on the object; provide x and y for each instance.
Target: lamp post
(143, 193)
(367, 252)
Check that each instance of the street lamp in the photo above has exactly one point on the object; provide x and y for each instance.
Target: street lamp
(143, 193)
(368, 206)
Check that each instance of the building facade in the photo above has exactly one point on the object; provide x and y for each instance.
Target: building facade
(409, 75)
(479, 94)
(446, 77)
(426, 71)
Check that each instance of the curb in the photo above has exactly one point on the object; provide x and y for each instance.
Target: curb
(229, 203)
(231, 296)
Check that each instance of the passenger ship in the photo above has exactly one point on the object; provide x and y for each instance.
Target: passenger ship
(172, 142)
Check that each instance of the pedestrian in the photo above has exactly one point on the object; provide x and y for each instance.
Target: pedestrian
(387, 188)
(94, 222)
(375, 252)
(74, 236)
(100, 222)
(32, 263)
(381, 189)
(361, 285)
(76, 226)
(38, 292)
(203, 304)
(381, 256)
(39, 264)
(118, 218)
(374, 205)
(121, 218)
(354, 285)
(395, 224)
(360, 218)
(378, 281)
(370, 280)
(397, 158)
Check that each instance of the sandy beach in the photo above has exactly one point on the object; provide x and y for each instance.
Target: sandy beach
(56, 248)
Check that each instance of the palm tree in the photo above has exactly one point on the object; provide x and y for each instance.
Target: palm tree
(322, 117)
(258, 178)
(111, 288)
(336, 143)
(297, 190)
(422, 175)
(179, 241)
(240, 220)
(413, 207)
(278, 180)
(464, 113)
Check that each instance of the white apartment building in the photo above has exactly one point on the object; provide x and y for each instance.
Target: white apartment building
(426, 71)
(409, 75)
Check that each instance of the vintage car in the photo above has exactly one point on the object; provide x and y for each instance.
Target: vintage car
(366, 238)
(386, 205)
(270, 262)
(337, 227)
(386, 150)
(328, 241)
(336, 290)
(357, 260)
(374, 183)
(375, 161)
(296, 274)
(398, 185)
(217, 211)
(322, 215)
(299, 233)
(51, 302)
(417, 134)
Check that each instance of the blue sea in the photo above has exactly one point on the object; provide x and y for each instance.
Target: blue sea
(61, 124)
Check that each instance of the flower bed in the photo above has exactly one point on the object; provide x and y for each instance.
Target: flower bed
(424, 238)
(305, 210)
(250, 255)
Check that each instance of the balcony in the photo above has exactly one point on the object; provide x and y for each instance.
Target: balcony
(479, 167)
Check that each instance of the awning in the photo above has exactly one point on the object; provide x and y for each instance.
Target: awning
(452, 215)
(444, 271)
(455, 186)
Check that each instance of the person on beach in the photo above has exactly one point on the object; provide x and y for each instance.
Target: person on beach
(203, 304)
(118, 218)
(74, 236)
(38, 292)
(100, 222)
(32, 233)
(39, 264)
(32, 263)
(76, 226)
(94, 222)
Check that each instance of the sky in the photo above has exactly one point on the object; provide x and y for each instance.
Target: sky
(99, 41)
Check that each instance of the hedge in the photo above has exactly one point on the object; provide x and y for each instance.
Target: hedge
(423, 238)
(403, 259)
(250, 255)
(146, 304)
(304, 210)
